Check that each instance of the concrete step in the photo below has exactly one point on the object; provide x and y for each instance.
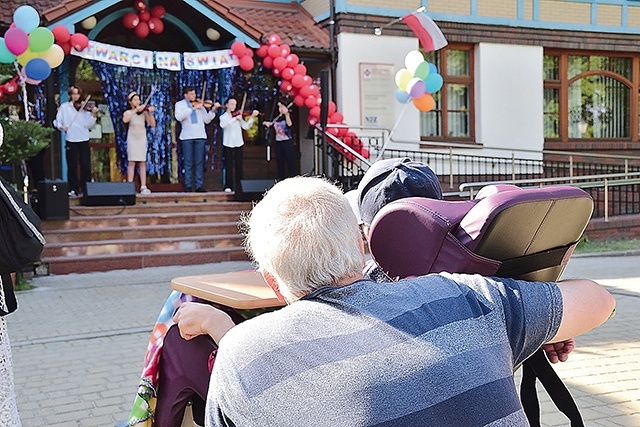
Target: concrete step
(138, 208)
(140, 232)
(121, 246)
(140, 219)
(136, 260)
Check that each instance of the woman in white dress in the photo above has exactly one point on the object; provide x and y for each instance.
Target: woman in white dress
(138, 116)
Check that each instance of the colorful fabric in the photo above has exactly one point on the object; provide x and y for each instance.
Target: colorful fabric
(145, 402)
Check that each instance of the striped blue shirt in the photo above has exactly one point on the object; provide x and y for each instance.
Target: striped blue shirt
(437, 350)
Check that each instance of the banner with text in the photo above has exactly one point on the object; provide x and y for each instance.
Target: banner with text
(118, 55)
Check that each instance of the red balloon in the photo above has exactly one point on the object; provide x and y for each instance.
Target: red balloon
(249, 52)
(130, 20)
(305, 91)
(364, 153)
(292, 60)
(145, 16)
(140, 5)
(284, 49)
(142, 30)
(313, 121)
(314, 111)
(310, 101)
(61, 33)
(343, 131)
(274, 39)
(79, 41)
(315, 90)
(333, 131)
(297, 81)
(262, 51)
(307, 80)
(287, 73)
(156, 26)
(337, 117)
(332, 108)
(275, 72)
(300, 69)
(267, 61)
(238, 48)
(286, 86)
(66, 47)
(11, 86)
(246, 63)
(280, 63)
(298, 101)
(158, 11)
(274, 51)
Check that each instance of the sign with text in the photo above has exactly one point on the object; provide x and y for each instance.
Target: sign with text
(377, 100)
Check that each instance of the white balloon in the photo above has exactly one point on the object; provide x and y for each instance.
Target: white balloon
(89, 23)
(413, 59)
(213, 34)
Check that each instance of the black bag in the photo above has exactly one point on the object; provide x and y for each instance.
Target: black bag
(21, 240)
(6, 288)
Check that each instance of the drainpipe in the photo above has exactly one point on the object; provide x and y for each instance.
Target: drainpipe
(332, 47)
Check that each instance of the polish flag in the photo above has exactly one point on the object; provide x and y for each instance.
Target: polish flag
(430, 35)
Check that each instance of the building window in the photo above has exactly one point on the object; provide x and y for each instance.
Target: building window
(452, 117)
(589, 97)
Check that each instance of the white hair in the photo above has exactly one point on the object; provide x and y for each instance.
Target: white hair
(305, 235)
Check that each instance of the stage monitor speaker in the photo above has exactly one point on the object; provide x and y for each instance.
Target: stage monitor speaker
(53, 199)
(109, 194)
(253, 189)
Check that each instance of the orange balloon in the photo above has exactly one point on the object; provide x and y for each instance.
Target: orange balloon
(424, 103)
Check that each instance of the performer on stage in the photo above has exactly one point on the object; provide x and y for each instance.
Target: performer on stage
(137, 116)
(75, 118)
(232, 124)
(193, 116)
(285, 153)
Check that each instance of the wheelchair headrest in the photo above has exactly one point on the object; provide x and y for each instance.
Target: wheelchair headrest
(417, 236)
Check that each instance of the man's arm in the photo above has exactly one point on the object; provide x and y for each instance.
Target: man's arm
(585, 305)
(182, 112)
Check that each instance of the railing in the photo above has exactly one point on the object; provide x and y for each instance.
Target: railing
(613, 182)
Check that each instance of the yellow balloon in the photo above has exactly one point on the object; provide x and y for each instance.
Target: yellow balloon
(54, 55)
(424, 103)
(402, 78)
(27, 56)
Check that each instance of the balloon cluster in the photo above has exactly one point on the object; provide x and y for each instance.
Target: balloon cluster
(418, 81)
(145, 21)
(33, 47)
(296, 83)
(244, 55)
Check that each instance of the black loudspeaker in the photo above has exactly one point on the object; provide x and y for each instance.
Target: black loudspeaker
(253, 189)
(53, 199)
(109, 194)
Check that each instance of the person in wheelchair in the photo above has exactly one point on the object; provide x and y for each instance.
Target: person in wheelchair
(437, 350)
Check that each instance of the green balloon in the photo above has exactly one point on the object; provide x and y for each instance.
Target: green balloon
(6, 57)
(422, 70)
(40, 39)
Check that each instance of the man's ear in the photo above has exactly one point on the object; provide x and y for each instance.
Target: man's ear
(273, 284)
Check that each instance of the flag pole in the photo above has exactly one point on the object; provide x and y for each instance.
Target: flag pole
(378, 30)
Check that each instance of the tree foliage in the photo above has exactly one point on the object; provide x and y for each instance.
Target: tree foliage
(22, 140)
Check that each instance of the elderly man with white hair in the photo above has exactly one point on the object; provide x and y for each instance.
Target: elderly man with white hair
(433, 350)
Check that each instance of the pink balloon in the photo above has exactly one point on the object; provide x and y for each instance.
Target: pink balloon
(238, 48)
(274, 51)
(310, 101)
(16, 40)
(292, 60)
(280, 63)
(287, 73)
(274, 39)
(246, 63)
(285, 50)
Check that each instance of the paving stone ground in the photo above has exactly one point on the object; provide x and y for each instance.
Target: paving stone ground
(78, 341)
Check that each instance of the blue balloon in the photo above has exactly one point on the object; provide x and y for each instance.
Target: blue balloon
(433, 83)
(402, 96)
(432, 68)
(6, 57)
(26, 18)
(37, 69)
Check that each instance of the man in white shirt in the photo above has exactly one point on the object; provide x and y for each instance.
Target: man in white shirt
(193, 117)
(75, 120)
(232, 123)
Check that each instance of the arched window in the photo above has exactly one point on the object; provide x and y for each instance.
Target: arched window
(589, 97)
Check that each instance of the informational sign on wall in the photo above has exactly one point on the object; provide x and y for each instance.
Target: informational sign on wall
(377, 99)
